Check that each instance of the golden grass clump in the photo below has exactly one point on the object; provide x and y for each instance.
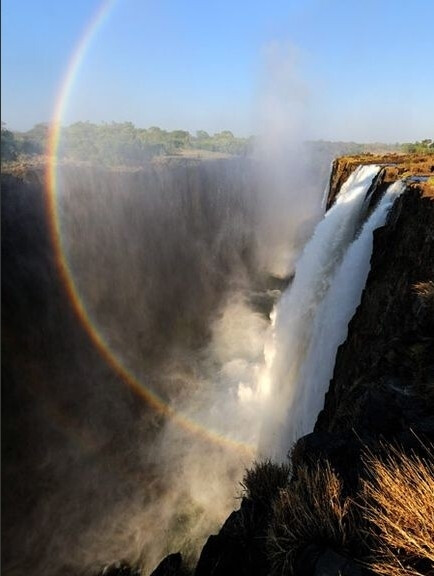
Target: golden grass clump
(311, 510)
(399, 506)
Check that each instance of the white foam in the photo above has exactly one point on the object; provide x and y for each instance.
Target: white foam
(297, 311)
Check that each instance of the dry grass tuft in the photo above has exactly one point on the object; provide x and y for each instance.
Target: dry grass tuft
(425, 293)
(311, 510)
(399, 504)
(264, 480)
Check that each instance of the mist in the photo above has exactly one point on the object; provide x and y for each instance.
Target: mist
(179, 266)
(292, 175)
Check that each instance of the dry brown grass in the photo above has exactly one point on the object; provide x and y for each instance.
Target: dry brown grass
(399, 505)
(393, 519)
(311, 509)
(425, 293)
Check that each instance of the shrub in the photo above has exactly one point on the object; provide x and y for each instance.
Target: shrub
(264, 480)
(399, 505)
(311, 510)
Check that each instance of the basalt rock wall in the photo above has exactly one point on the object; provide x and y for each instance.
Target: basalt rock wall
(382, 383)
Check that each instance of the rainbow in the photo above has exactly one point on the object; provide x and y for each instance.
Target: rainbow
(51, 202)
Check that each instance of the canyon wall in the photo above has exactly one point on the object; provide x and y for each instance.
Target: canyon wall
(382, 391)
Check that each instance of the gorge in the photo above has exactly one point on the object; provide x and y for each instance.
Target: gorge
(137, 421)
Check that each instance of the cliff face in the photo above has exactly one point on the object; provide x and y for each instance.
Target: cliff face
(387, 358)
(383, 371)
(383, 383)
(382, 389)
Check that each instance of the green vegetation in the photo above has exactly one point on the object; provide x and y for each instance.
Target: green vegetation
(15, 144)
(264, 480)
(122, 144)
(222, 142)
(118, 143)
(8, 145)
(354, 148)
(423, 147)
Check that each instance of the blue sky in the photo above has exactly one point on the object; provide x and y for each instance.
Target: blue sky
(353, 70)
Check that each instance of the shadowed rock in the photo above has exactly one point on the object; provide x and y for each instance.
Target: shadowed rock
(170, 566)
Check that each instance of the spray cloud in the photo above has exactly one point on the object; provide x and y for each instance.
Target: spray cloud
(178, 267)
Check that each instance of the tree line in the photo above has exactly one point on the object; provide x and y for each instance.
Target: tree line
(423, 147)
(118, 143)
(121, 143)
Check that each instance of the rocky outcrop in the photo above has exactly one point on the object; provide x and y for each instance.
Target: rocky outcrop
(170, 566)
(239, 546)
(394, 167)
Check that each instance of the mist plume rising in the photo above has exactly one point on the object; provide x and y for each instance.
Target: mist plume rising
(291, 175)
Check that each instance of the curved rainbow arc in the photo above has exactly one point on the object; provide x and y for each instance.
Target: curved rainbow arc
(51, 197)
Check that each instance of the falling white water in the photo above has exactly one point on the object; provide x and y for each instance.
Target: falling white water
(330, 326)
(297, 312)
(325, 194)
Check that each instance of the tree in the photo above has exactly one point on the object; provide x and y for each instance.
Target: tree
(202, 135)
(9, 147)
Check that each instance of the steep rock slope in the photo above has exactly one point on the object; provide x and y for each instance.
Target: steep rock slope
(387, 359)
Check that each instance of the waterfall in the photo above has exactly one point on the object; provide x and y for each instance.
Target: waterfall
(330, 325)
(313, 314)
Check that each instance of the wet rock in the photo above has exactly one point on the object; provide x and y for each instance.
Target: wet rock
(383, 378)
(330, 563)
(239, 548)
(120, 569)
(170, 566)
(341, 450)
(317, 560)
